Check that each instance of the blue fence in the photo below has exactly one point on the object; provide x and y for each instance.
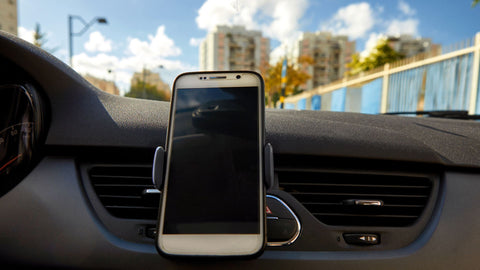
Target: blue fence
(448, 84)
(364, 99)
(372, 97)
(404, 90)
(316, 102)
(439, 84)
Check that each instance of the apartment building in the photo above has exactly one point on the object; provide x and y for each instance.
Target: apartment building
(234, 48)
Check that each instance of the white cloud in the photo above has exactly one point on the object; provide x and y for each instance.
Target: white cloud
(26, 34)
(159, 45)
(277, 54)
(98, 43)
(150, 53)
(286, 16)
(371, 42)
(354, 20)
(398, 27)
(278, 19)
(215, 12)
(195, 42)
(135, 63)
(405, 8)
(97, 66)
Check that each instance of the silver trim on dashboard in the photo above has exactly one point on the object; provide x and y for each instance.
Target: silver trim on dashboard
(369, 202)
(152, 191)
(299, 226)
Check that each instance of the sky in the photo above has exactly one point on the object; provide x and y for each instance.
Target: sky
(164, 35)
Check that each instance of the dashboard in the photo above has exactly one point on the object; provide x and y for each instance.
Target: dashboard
(350, 191)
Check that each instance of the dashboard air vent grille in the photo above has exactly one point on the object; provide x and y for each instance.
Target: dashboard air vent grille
(121, 190)
(339, 198)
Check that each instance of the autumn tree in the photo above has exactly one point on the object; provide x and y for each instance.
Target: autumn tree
(379, 56)
(144, 90)
(296, 78)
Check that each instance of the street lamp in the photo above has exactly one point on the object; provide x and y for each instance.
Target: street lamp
(86, 25)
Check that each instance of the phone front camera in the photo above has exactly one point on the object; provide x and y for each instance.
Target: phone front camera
(238, 77)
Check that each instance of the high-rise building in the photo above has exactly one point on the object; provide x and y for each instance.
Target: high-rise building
(105, 85)
(8, 16)
(234, 48)
(330, 56)
(410, 46)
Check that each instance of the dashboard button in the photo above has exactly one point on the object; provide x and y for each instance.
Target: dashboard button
(361, 239)
(280, 230)
(151, 232)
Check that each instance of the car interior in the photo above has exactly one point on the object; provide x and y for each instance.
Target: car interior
(349, 191)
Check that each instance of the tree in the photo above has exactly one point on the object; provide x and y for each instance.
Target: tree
(296, 78)
(40, 39)
(475, 2)
(379, 56)
(147, 91)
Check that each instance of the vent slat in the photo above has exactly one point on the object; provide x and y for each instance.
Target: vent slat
(324, 194)
(121, 177)
(121, 191)
(360, 215)
(119, 197)
(364, 210)
(353, 185)
(130, 207)
(123, 185)
(386, 205)
(358, 194)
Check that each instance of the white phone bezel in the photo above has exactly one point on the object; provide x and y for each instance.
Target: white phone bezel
(213, 244)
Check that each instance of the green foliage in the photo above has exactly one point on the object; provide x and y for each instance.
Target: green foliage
(147, 91)
(475, 2)
(274, 99)
(40, 39)
(296, 77)
(379, 56)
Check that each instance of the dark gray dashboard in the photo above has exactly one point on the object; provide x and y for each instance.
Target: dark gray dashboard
(50, 220)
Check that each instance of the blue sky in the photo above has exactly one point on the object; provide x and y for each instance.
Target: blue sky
(152, 33)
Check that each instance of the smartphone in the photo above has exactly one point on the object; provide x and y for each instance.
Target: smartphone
(213, 200)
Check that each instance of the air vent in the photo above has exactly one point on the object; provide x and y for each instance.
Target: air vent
(358, 199)
(122, 191)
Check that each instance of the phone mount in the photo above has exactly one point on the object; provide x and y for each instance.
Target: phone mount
(283, 226)
(160, 157)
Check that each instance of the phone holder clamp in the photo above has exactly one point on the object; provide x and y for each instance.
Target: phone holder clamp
(159, 159)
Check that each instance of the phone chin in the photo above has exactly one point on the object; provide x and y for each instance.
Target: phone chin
(211, 245)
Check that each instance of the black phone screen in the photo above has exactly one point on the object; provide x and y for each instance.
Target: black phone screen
(214, 174)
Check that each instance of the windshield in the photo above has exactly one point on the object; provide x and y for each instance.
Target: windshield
(367, 57)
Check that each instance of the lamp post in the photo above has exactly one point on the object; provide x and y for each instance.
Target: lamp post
(86, 25)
